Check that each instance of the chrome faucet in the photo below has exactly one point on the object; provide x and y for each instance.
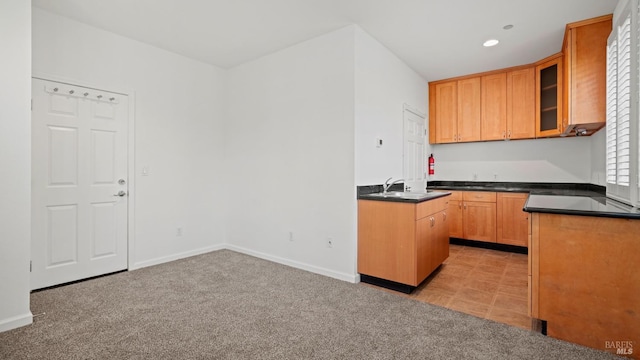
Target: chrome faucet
(387, 185)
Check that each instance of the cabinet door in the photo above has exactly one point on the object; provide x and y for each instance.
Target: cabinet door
(585, 47)
(549, 98)
(494, 107)
(479, 221)
(468, 110)
(513, 223)
(441, 238)
(455, 219)
(521, 104)
(424, 248)
(446, 112)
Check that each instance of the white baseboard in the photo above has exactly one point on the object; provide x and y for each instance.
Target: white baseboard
(16, 322)
(186, 254)
(298, 265)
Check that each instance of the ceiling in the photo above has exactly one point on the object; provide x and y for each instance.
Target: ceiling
(437, 38)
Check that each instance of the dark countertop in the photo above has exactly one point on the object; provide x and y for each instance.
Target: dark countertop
(553, 198)
(580, 205)
(568, 189)
(429, 196)
(364, 193)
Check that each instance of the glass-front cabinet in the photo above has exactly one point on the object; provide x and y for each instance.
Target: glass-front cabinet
(549, 96)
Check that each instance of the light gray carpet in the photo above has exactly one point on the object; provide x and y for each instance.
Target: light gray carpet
(225, 305)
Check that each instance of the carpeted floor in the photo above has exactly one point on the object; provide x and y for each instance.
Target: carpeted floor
(225, 305)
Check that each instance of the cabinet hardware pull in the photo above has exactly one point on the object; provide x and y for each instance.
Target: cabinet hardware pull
(444, 216)
(465, 206)
(509, 134)
(504, 135)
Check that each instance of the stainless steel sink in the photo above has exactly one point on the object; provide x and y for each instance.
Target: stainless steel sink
(404, 195)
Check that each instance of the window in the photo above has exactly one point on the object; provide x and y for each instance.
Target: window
(623, 91)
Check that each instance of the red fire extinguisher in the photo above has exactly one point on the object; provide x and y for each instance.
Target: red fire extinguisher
(432, 163)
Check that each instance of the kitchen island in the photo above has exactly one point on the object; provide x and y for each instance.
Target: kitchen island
(401, 240)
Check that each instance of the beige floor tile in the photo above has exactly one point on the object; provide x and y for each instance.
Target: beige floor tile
(468, 307)
(509, 317)
(512, 303)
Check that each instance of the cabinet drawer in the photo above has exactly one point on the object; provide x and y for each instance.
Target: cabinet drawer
(456, 195)
(482, 196)
(430, 207)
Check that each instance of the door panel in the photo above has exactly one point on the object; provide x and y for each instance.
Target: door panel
(79, 152)
(414, 172)
(62, 235)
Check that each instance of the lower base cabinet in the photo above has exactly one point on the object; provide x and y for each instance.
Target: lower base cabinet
(402, 242)
(489, 216)
(584, 281)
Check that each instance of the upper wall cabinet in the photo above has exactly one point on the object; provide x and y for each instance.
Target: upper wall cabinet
(585, 63)
(521, 100)
(549, 96)
(561, 95)
(454, 111)
(508, 103)
(493, 123)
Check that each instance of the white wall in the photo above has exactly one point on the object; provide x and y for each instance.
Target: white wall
(290, 155)
(178, 130)
(599, 157)
(537, 160)
(383, 84)
(15, 160)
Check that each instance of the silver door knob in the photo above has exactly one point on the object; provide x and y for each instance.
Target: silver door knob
(120, 193)
(121, 182)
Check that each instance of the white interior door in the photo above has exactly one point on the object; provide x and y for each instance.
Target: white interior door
(79, 183)
(414, 153)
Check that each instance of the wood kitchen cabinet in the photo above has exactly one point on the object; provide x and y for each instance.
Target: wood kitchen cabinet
(455, 215)
(512, 222)
(479, 215)
(549, 96)
(493, 122)
(521, 103)
(454, 111)
(508, 105)
(584, 281)
(473, 216)
(402, 242)
(584, 77)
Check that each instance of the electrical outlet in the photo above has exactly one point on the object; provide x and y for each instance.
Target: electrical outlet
(179, 231)
(329, 242)
(475, 177)
(290, 235)
(495, 176)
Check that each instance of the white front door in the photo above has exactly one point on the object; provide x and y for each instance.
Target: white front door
(79, 183)
(414, 167)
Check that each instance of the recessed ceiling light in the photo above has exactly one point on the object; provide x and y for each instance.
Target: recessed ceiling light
(507, 27)
(491, 42)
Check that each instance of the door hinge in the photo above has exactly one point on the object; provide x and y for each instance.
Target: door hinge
(31, 104)
(30, 266)
(425, 132)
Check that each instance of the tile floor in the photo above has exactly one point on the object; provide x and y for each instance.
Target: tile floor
(486, 283)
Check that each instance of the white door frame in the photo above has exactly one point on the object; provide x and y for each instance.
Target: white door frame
(406, 107)
(130, 152)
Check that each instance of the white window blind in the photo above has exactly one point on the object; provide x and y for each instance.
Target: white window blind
(622, 92)
(612, 119)
(623, 102)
